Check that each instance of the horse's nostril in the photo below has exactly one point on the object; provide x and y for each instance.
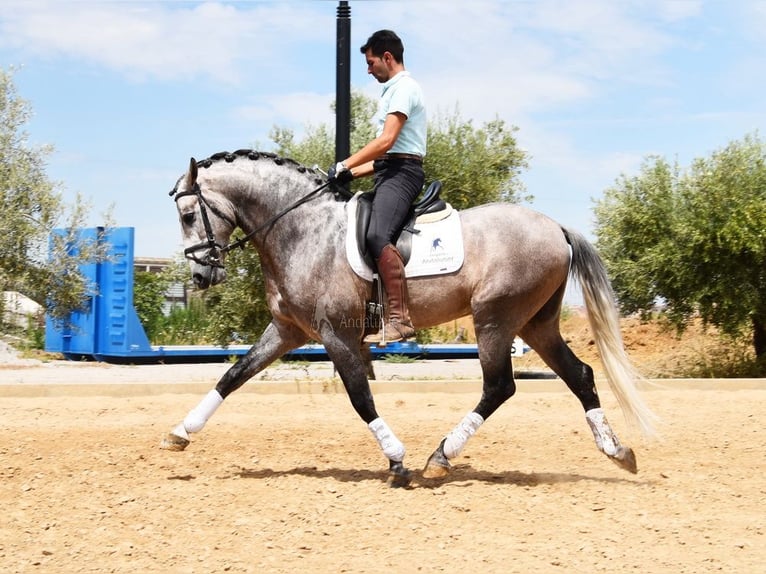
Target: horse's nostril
(198, 279)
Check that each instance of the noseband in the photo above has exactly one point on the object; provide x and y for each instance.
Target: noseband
(215, 251)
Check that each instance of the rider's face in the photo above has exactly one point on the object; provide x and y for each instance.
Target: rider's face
(379, 66)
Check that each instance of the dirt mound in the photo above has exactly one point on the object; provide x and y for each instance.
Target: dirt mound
(653, 346)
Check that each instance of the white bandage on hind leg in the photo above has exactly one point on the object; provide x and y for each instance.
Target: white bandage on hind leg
(456, 439)
(391, 446)
(602, 432)
(199, 415)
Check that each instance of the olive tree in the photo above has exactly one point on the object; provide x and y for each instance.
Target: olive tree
(692, 239)
(40, 265)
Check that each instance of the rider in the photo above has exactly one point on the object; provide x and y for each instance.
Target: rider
(395, 157)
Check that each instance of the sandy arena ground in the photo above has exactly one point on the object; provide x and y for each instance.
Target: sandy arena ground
(286, 478)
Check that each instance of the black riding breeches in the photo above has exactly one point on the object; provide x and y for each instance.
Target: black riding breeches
(398, 182)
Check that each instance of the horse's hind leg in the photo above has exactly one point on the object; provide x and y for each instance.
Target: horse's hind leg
(542, 334)
(272, 345)
(499, 385)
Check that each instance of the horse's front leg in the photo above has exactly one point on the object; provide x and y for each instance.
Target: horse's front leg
(352, 368)
(274, 343)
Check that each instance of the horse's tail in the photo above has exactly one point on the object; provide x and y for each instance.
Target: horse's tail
(588, 269)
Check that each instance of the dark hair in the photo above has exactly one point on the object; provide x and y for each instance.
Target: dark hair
(384, 41)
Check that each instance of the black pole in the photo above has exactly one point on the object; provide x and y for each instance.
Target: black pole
(343, 83)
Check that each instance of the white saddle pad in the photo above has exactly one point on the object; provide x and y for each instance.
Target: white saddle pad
(436, 250)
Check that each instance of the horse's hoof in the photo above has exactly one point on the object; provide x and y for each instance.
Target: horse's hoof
(398, 476)
(437, 465)
(174, 442)
(400, 479)
(626, 459)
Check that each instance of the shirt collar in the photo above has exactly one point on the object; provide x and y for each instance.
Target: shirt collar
(395, 79)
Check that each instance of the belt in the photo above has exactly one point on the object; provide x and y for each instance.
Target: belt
(402, 156)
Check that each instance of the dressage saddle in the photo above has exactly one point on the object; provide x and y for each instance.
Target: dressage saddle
(430, 203)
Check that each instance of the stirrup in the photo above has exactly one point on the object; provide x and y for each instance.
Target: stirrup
(391, 332)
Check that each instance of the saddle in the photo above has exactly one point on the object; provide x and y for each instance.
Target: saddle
(430, 204)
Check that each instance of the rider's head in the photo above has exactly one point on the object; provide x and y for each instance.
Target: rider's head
(384, 52)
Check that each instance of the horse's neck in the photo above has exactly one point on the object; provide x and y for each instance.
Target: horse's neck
(298, 232)
(302, 251)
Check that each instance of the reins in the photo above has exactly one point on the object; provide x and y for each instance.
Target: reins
(216, 250)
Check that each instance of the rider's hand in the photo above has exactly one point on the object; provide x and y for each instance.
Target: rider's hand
(339, 173)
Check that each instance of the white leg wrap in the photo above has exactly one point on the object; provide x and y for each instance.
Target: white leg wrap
(391, 446)
(606, 441)
(456, 439)
(180, 431)
(199, 415)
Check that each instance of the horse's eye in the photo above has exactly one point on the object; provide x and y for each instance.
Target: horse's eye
(188, 218)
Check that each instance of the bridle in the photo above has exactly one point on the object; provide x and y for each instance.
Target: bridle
(215, 251)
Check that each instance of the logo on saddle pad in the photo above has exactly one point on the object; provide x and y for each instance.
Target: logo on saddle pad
(435, 249)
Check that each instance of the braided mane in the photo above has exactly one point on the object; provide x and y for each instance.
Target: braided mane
(256, 155)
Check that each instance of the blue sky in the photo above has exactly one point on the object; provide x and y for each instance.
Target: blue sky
(126, 91)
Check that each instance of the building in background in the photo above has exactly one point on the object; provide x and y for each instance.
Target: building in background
(177, 293)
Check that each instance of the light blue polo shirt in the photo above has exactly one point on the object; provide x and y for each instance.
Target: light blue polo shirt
(403, 94)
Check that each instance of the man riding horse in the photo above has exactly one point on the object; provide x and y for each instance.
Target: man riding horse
(395, 157)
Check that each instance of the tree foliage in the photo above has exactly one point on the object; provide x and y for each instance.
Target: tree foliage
(148, 299)
(475, 165)
(239, 311)
(693, 239)
(318, 145)
(42, 267)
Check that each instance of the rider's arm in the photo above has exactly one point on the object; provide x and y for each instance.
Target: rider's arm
(360, 163)
(363, 170)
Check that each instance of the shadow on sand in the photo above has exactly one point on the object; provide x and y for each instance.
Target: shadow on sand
(461, 475)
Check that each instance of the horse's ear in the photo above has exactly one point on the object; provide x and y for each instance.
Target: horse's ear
(191, 177)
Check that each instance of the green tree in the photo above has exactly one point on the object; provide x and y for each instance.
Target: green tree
(635, 222)
(41, 266)
(694, 240)
(475, 165)
(148, 299)
(318, 145)
(237, 310)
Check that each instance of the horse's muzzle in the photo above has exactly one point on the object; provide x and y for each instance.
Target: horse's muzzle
(206, 276)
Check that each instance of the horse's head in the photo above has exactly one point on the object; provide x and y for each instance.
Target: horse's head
(206, 227)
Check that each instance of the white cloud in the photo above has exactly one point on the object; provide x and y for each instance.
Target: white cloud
(157, 40)
(519, 58)
(562, 154)
(295, 108)
(679, 9)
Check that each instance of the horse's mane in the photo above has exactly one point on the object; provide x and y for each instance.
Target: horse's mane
(256, 155)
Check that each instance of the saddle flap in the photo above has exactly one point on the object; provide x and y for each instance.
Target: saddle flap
(363, 213)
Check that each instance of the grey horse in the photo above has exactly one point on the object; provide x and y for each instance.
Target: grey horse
(512, 282)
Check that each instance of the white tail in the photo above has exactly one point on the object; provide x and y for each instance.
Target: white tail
(588, 269)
